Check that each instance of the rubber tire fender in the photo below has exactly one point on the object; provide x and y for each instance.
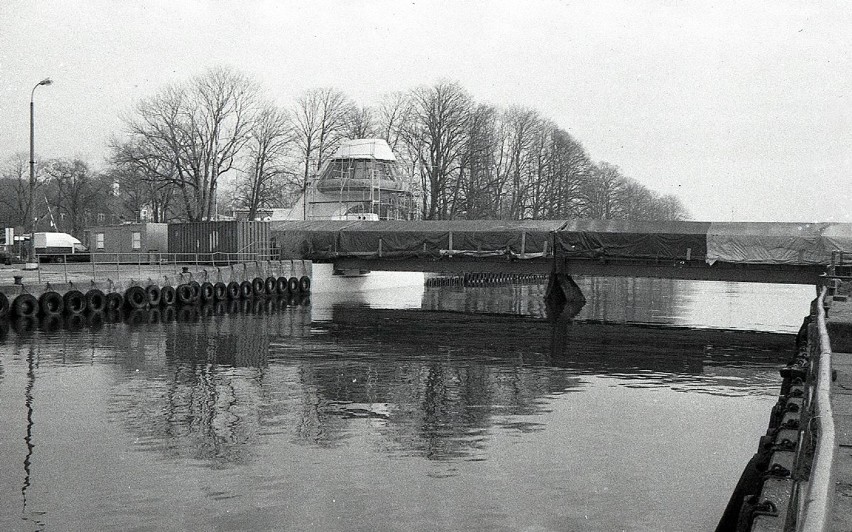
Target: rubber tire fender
(258, 287)
(51, 304)
(75, 302)
(196, 290)
(184, 294)
(269, 285)
(304, 284)
(293, 285)
(220, 291)
(96, 300)
(246, 291)
(168, 296)
(281, 286)
(206, 291)
(155, 295)
(114, 301)
(136, 297)
(233, 290)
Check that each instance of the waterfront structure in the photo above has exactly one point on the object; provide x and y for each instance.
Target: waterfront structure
(361, 181)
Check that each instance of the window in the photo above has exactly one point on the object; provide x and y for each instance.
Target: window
(99, 241)
(137, 241)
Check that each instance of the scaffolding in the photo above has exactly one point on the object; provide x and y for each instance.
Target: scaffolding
(361, 181)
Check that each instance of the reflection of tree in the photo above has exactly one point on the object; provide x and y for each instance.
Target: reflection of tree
(210, 387)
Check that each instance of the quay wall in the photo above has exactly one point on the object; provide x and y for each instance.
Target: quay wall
(57, 291)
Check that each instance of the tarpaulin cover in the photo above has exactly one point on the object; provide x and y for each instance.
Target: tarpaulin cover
(410, 239)
(767, 243)
(838, 237)
(585, 238)
(307, 239)
(436, 238)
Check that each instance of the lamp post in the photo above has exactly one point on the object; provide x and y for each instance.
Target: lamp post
(31, 264)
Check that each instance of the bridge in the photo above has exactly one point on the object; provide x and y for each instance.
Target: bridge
(755, 252)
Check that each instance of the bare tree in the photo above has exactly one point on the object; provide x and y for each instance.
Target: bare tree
(600, 192)
(319, 120)
(270, 141)
(436, 134)
(190, 134)
(136, 187)
(360, 123)
(15, 191)
(75, 195)
(394, 113)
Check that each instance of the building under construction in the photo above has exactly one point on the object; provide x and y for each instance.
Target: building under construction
(362, 181)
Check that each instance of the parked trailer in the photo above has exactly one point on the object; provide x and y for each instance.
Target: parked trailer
(59, 247)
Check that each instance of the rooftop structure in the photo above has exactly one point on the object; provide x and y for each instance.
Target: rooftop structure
(361, 181)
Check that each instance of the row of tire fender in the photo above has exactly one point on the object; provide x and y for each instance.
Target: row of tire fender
(153, 315)
(73, 302)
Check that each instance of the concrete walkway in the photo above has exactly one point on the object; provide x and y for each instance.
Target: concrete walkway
(839, 324)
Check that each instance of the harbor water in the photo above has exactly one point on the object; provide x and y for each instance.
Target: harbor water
(376, 406)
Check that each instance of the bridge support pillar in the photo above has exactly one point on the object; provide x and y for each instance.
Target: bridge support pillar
(563, 296)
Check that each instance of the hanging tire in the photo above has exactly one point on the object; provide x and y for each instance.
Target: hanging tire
(155, 295)
(75, 302)
(232, 290)
(281, 286)
(196, 290)
(136, 297)
(51, 304)
(114, 301)
(293, 285)
(269, 285)
(220, 291)
(258, 287)
(206, 292)
(184, 294)
(95, 300)
(167, 296)
(245, 290)
(5, 306)
(304, 284)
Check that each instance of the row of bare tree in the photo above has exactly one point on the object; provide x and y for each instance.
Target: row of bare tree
(218, 132)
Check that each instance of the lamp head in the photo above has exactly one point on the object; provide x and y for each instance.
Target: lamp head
(45, 81)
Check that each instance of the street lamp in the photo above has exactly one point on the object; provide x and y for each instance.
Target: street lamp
(31, 255)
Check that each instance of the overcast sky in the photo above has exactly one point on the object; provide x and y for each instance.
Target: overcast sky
(740, 108)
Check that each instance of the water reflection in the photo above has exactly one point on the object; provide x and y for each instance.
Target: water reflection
(258, 402)
(707, 304)
(208, 383)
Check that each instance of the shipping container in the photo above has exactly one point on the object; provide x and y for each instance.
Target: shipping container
(129, 243)
(220, 242)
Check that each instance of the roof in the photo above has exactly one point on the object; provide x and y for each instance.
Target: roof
(365, 149)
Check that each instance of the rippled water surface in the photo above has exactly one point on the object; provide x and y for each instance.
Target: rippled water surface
(395, 409)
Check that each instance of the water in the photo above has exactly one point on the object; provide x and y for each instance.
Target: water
(397, 409)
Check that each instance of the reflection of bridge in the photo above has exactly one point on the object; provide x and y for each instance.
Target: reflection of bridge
(756, 252)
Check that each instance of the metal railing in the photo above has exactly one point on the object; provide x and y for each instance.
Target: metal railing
(817, 505)
(114, 265)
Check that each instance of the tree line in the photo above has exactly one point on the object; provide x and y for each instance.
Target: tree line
(217, 142)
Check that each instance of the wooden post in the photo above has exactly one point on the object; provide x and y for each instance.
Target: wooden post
(524, 245)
